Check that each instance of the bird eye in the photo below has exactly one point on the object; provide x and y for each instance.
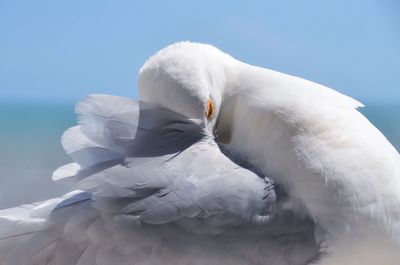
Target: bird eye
(210, 109)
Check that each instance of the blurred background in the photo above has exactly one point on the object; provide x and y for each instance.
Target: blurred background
(53, 53)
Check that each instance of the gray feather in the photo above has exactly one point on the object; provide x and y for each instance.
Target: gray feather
(155, 188)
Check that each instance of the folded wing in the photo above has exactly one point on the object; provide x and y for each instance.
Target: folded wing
(152, 188)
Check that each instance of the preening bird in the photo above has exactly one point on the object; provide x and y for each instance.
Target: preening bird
(220, 162)
(335, 166)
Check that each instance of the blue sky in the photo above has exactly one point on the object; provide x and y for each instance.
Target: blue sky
(62, 50)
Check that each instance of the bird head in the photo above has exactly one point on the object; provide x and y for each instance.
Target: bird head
(187, 78)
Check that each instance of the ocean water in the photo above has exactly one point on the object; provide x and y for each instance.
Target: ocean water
(30, 148)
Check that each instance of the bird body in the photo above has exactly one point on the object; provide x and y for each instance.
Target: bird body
(336, 167)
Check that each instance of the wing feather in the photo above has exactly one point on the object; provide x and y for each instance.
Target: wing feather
(151, 187)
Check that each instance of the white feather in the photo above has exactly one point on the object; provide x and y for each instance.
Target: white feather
(66, 171)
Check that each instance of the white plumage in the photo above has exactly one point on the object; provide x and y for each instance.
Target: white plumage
(337, 168)
(296, 175)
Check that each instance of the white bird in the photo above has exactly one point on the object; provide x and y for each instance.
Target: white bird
(157, 188)
(336, 167)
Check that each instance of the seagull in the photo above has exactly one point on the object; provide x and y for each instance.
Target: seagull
(335, 166)
(219, 162)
